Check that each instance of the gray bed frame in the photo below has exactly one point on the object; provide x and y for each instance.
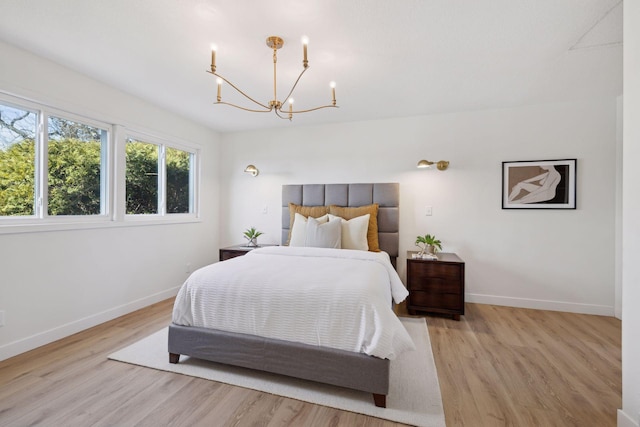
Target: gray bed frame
(326, 365)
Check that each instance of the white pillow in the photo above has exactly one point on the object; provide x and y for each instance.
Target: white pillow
(298, 231)
(354, 232)
(327, 235)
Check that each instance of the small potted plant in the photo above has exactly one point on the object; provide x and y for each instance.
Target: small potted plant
(429, 244)
(252, 234)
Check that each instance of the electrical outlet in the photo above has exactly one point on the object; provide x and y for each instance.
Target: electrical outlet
(428, 210)
(1, 317)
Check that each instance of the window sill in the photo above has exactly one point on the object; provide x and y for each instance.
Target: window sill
(87, 224)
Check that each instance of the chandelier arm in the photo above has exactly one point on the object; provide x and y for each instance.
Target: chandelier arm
(268, 110)
(294, 86)
(241, 92)
(311, 109)
(280, 111)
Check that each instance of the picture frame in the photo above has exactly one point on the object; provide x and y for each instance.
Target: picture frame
(539, 184)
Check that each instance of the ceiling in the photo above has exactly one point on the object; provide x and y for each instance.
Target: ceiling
(388, 58)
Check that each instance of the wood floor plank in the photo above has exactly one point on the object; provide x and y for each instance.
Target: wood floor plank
(131, 405)
(177, 406)
(547, 371)
(497, 366)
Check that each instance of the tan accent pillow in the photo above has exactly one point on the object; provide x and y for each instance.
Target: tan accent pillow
(350, 213)
(306, 211)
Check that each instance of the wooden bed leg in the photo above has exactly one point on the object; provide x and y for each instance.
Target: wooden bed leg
(174, 358)
(380, 400)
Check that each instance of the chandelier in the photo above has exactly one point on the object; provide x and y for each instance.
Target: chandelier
(274, 105)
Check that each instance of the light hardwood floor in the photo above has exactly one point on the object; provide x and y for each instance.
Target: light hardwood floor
(497, 366)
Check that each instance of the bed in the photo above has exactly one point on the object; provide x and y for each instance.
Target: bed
(336, 364)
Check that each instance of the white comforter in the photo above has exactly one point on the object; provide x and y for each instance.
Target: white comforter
(326, 297)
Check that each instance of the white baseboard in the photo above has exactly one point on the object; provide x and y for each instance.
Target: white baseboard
(23, 345)
(600, 310)
(625, 421)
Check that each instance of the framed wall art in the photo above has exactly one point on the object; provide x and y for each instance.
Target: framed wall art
(539, 184)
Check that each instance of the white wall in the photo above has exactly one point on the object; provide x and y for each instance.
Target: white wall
(630, 414)
(618, 249)
(560, 260)
(53, 284)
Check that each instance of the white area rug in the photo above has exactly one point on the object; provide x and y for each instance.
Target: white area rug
(414, 395)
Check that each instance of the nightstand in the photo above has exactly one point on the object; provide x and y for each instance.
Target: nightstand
(237, 250)
(436, 286)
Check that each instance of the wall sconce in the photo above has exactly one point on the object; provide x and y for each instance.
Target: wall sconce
(252, 170)
(426, 164)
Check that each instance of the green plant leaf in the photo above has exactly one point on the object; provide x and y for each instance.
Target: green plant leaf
(252, 233)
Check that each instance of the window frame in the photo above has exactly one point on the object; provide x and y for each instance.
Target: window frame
(112, 171)
(41, 216)
(32, 108)
(159, 166)
(192, 183)
(105, 168)
(194, 169)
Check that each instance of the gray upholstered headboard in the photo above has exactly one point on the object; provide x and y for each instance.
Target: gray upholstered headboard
(386, 195)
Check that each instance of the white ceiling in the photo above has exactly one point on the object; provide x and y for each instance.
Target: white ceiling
(389, 58)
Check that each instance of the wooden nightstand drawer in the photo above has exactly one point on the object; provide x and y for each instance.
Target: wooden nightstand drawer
(433, 269)
(441, 301)
(228, 254)
(438, 285)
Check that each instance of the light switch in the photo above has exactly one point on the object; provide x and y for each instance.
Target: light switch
(428, 211)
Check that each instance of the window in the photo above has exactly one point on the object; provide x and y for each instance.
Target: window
(76, 159)
(159, 179)
(58, 171)
(142, 177)
(179, 181)
(17, 161)
(72, 174)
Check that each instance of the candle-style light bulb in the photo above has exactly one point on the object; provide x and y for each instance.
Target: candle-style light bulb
(290, 108)
(305, 43)
(219, 80)
(213, 57)
(332, 85)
